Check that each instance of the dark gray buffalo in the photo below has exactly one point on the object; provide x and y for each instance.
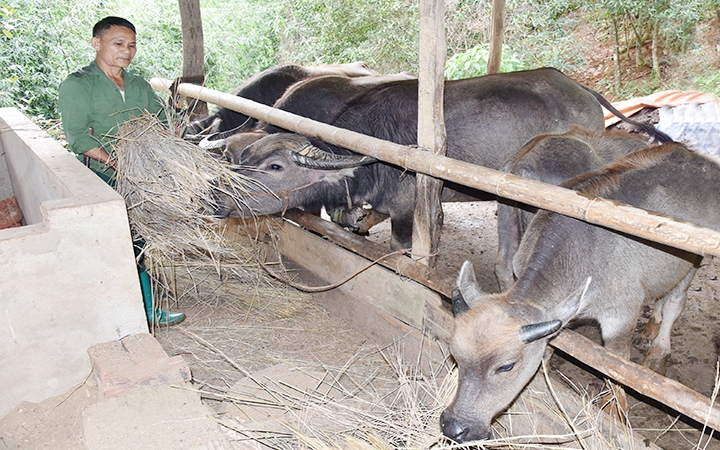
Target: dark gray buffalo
(487, 119)
(569, 270)
(322, 98)
(269, 85)
(553, 158)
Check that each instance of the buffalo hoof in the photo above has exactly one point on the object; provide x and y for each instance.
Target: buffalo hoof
(656, 360)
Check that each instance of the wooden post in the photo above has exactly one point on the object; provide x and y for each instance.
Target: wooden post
(193, 52)
(496, 41)
(431, 128)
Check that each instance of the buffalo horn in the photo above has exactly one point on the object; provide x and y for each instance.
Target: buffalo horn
(315, 158)
(531, 333)
(217, 140)
(459, 305)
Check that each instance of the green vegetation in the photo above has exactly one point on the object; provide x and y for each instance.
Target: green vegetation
(663, 44)
(473, 63)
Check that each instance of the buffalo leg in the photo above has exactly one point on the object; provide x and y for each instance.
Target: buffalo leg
(671, 305)
(401, 231)
(509, 235)
(614, 400)
(652, 328)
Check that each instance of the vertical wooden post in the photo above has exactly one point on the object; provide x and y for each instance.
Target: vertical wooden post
(193, 51)
(431, 126)
(496, 41)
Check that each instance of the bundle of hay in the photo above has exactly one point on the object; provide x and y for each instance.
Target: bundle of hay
(169, 186)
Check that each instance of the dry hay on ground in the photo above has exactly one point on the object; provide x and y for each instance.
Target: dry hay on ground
(243, 328)
(281, 372)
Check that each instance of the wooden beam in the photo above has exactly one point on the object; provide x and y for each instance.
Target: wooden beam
(402, 265)
(193, 50)
(428, 216)
(402, 297)
(643, 380)
(438, 322)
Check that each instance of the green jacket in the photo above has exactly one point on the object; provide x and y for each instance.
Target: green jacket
(92, 108)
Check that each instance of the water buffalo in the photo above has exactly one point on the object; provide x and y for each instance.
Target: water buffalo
(269, 85)
(553, 158)
(487, 119)
(322, 98)
(569, 270)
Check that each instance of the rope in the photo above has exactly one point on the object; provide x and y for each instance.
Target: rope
(312, 289)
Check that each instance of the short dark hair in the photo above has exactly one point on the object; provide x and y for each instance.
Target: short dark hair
(103, 25)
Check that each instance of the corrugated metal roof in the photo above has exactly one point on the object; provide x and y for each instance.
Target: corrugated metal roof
(690, 117)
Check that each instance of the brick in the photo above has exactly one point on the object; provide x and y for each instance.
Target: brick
(134, 361)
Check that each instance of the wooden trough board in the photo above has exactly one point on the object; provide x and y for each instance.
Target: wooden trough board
(399, 301)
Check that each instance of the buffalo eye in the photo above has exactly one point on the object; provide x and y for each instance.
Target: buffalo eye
(505, 368)
(275, 167)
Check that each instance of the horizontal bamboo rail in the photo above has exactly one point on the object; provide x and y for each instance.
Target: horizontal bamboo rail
(643, 380)
(596, 210)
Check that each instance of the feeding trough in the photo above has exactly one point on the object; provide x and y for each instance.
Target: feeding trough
(69, 279)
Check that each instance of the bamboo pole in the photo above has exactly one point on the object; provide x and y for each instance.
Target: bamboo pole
(596, 210)
(641, 379)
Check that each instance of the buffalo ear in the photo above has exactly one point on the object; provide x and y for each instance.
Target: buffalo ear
(468, 285)
(531, 333)
(569, 307)
(564, 312)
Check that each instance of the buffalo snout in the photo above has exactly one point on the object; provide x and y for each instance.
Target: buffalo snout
(223, 206)
(460, 430)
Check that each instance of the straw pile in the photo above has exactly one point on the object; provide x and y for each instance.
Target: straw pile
(169, 188)
(168, 185)
(290, 407)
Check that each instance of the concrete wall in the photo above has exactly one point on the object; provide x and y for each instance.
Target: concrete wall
(68, 278)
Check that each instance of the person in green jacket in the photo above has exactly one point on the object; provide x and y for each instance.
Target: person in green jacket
(95, 100)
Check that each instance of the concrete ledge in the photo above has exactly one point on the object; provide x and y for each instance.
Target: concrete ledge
(147, 401)
(68, 279)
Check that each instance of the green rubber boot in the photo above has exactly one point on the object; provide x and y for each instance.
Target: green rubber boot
(157, 316)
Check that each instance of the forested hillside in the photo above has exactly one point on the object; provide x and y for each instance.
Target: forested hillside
(623, 48)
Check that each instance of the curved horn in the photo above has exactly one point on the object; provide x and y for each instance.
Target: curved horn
(531, 333)
(217, 140)
(316, 158)
(207, 143)
(459, 305)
